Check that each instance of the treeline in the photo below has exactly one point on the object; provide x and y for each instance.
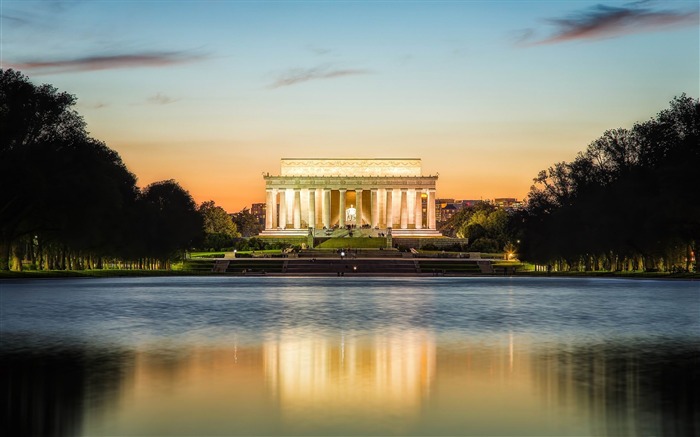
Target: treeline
(67, 201)
(631, 201)
(487, 228)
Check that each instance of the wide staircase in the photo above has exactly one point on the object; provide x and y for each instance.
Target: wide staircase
(449, 267)
(245, 266)
(337, 266)
(350, 253)
(349, 266)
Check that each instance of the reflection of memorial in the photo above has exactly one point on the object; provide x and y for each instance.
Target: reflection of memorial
(381, 374)
(411, 383)
(385, 193)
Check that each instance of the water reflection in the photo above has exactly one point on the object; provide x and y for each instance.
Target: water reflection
(268, 356)
(631, 388)
(349, 376)
(47, 392)
(409, 383)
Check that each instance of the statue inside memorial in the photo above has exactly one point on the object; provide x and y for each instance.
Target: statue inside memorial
(350, 214)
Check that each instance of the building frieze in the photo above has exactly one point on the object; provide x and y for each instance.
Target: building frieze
(349, 182)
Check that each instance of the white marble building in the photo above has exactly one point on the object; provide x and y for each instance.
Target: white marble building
(368, 194)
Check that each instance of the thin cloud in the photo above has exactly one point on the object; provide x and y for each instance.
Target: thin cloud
(318, 50)
(603, 21)
(98, 105)
(160, 99)
(300, 75)
(109, 62)
(17, 21)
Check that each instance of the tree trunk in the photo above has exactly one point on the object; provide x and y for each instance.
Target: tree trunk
(17, 257)
(4, 255)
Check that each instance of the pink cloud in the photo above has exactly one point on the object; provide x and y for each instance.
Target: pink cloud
(607, 21)
(93, 63)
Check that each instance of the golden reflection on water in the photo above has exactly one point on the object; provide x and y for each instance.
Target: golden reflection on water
(383, 379)
(301, 383)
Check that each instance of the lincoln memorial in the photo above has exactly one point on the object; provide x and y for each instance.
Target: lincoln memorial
(369, 195)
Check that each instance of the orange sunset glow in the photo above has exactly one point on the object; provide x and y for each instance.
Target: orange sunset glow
(486, 94)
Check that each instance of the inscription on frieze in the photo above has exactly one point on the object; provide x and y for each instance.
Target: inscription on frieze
(351, 167)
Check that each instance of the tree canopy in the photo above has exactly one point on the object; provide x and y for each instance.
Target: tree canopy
(68, 200)
(629, 201)
(488, 228)
(217, 220)
(247, 223)
(219, 228)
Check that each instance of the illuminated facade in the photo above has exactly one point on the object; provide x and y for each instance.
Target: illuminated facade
(371, 194)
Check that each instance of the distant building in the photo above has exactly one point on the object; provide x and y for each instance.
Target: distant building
(440, 205)
(459, 204)
(446, 208)
(447, 212)
(507, 203)
(258, 211)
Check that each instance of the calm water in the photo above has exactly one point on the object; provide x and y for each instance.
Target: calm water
(323, 356)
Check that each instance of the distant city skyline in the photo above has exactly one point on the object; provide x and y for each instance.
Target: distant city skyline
(213, 93)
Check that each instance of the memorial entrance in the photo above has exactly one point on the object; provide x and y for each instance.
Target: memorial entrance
(366, 194)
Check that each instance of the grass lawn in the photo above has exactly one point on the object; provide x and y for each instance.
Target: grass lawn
(106, 273)
(221, 254)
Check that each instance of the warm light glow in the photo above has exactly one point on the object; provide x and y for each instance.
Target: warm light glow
(382, 374)
(452, 84)
(299, 382)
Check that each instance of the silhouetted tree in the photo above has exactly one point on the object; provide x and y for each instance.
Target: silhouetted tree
(62, 189)
(629, 201)
(169, 221)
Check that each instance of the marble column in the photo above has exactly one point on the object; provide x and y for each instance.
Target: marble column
(341, 208)
(431, 209)
(374, 213)
(283, 208)
(404, 209)
(273, 211)
(358, 199)
(327, 208)
(389, 209)
(419, 210)
(312, 207)
(268, 208)
(297, 209)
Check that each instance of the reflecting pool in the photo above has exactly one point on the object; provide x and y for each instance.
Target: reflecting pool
(349, 356)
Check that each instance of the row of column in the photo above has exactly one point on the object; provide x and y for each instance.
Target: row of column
(416, 209)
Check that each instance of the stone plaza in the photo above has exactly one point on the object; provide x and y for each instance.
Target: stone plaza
(370, 196)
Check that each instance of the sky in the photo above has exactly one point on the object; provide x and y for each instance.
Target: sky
(487, 93)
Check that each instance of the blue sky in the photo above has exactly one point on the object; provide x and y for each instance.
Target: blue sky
(212, 93)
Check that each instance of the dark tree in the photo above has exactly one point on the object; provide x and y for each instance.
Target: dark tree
(168, 222)
(62, 188)
(219, 229)
(629, 201)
